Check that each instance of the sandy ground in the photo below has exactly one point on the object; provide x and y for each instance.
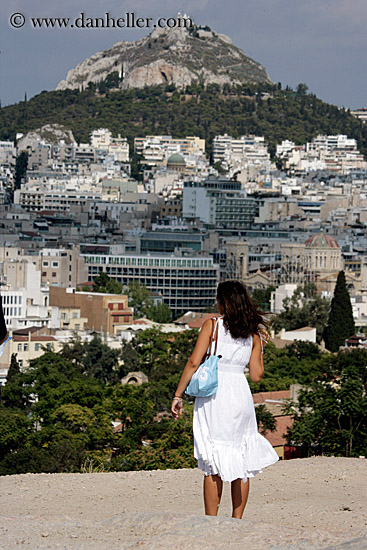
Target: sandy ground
(298, 504)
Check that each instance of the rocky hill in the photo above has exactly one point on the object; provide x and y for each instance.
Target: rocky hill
(178, 56)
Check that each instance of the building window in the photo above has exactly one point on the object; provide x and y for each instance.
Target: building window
(25, 347)
(36, 347)
(45, 263)
(54, 274)
(20, 362)
(55, 264)
(19, 348)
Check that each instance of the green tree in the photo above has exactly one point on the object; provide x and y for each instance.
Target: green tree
(21, 165)
(13, 394)
(14, 430)
(298, 363)
(74, 351)
(14, 369)
(136, 166)
(159, 313)
(331, 415)
(160, 445)
(341, 322)
(302, 89)
(139, 299)
(101, 361)
(130, 361)
(218, 166)
(305, 308)
(104, 284)
(262, 297)
(265, 420)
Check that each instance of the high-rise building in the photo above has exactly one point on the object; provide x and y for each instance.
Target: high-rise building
(219, 202)
(186, 281)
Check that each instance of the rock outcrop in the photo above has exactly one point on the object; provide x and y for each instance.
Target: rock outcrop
(50, 133)
(178, 56)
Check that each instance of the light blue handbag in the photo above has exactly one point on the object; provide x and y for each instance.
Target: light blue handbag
(204, 381)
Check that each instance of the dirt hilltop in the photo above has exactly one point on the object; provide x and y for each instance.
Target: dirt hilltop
(303, 504)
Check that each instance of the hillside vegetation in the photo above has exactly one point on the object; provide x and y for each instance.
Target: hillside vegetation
(263, 109)
(57, 415)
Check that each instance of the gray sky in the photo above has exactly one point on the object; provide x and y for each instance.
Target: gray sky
(320, 42)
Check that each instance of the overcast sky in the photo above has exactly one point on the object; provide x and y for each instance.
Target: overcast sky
(320, 42)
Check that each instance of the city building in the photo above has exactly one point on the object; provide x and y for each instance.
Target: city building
(220, 203)
(237, 153)
(186, 281)
(62, 267)
(100, 312)
(27, 344)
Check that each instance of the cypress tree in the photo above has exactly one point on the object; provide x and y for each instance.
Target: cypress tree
(14, 369)
(12, 394)
(340, 323)
(21, 165)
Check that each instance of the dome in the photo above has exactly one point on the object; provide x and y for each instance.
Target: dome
(320, 240)
(176, 159)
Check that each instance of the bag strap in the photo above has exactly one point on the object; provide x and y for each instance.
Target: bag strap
(262, 339)
(213, 338)
(209, 349)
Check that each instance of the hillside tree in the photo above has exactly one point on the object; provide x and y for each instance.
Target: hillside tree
(340, 323)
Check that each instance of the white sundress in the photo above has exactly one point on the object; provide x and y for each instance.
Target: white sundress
(226, 437)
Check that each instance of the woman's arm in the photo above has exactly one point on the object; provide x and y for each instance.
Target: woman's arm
(256, 363)
(191, 366)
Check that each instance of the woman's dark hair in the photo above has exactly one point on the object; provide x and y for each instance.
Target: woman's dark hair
(242, 316)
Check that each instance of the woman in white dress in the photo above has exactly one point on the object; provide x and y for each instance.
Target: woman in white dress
(228, 446)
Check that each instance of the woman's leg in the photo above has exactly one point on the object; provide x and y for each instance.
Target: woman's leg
(239, 493)
(213, 486)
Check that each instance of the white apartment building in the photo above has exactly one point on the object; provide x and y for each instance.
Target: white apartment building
(360, 113)
(157, 149)
(170, 145)
(58, 196)
(330, 143)
(14, 304)
(285, 147)
(21, 289)
(337, 154)
(102, 140)
(8, 154)
(247, 150)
